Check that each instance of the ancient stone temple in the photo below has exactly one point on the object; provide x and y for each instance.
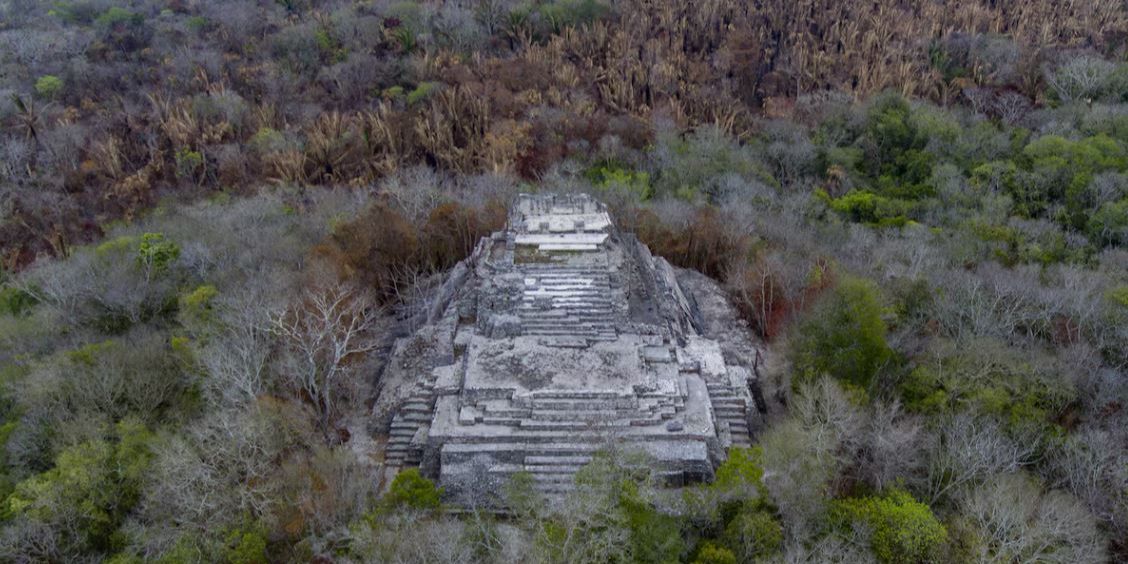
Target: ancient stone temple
(558, 337)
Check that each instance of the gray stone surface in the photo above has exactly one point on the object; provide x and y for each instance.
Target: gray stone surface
(556, 338)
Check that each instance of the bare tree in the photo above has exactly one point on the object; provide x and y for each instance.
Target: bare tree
(237, 355)
(768, 289)
(326, 332)
(1021, 523)
(1011, 107)
(1093, 466)
(803, 456)
(967, 450)
(1081, 78)
(888, 448)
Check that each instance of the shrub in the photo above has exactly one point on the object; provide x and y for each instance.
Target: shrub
(892, 140)
(1020, 387)
(123, 29)
(742, 471)
(14, 301)
(710, 553)
(138, 376)
(863, 206)
(571, 13)
(188, 163)
(49, 86)
(246, 546)
(655, 536)
(91, 488)
(116, 16)
(753, 533)
(1080, 78)
(267, 140)
(1109, 225)
(422, 92)
(902, 529)
(155, 253)
(196, 307)
(843, 335)
(411, 489)
(620, 182)
(689, 167)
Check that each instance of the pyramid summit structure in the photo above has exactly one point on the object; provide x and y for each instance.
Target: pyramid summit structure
(558, 337)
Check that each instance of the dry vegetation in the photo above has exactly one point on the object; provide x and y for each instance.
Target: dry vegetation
(158, 100)
(215, 216)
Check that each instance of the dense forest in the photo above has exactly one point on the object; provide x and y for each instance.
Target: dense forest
(215, 215)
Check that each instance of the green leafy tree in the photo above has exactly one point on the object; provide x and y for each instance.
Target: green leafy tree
(1063, 169)
(901, 529)
(1020, 387)
(735, 506)
(753, 533)
(843, 335)
(1109, 225)
(155, 254)
(246, 545)
(15, 301)
(91, 488)
(710, 553)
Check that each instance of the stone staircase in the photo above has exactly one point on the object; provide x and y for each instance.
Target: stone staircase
(414, 414)
(730, 412)
(567, 301)
(555, 433)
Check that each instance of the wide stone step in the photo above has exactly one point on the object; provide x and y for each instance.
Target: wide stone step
(566, 322)
(554, 479)
(584, 404)
(558, 315)
(571, 306)
(734, 402)
(510, 412)
(520, 451)
(566, 289)
(537, 425)
(565, 330)
(558, 414)
(565, 469)
(567, 315)
(525, 438)
(565, 270)
(549, 395)
(417, 407)
(559, 303)
(542, 328)
(529, 298)
(557, 460)
(576, 310)
(561, 291)
(566, 310)
(566, 333)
